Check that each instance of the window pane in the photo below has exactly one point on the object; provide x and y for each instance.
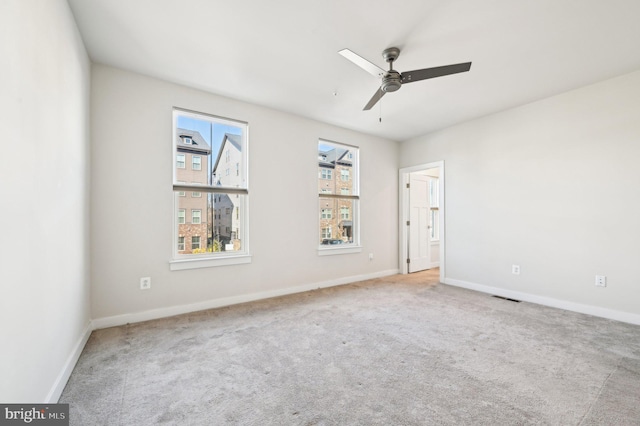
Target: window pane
(434, 223)
(228, 232)
(216, 218)
(336, 221)
(335, 168)
(433, 192)
(212, 148)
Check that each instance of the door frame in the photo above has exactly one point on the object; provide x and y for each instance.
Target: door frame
(403, 179)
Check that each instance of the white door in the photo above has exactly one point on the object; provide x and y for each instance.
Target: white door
(419, 244)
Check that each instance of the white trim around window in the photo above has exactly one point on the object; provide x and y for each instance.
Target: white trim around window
(214, 194)
(345, 238)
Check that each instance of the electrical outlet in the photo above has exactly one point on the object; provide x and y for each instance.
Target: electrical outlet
(601, 281)
(515, 269)
(145, 283)
(370, 256)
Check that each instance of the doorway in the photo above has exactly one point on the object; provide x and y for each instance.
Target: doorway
(422, 238)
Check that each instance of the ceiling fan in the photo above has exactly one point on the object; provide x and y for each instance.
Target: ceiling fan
(392, 80)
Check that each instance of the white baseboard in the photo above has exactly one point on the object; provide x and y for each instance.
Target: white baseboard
(548, 301)
(69, 365)
(117, 320)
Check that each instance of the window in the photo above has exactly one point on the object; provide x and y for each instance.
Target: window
(196, 217)
(187, 140)
(434, 201)
(180, 161)
(338, 233)
(325, 233)
(344, 213)
(195, 242)
(196, 162)
(214, 191)
(326, 173)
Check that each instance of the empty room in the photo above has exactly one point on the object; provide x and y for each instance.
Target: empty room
(320, 213)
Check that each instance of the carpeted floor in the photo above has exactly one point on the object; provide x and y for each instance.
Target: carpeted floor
(401, 350)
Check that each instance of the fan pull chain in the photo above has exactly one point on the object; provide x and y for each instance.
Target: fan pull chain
(380, 114)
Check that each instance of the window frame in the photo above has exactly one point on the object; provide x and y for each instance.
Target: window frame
(354, 197)
(211, 259)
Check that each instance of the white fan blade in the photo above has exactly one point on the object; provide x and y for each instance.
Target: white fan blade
(372, 69)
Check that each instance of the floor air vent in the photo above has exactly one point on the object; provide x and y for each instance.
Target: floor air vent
(506, 298)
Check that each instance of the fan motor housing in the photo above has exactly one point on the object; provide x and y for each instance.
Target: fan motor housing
(391, 81)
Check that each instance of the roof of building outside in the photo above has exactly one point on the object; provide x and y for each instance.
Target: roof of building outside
(198, 145)
(236, 141)
(332, 156)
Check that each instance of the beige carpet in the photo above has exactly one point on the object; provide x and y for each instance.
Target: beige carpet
(401, 350)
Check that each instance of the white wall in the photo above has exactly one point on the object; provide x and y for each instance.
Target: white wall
(553, 186)
(132, 201)
(44, 271)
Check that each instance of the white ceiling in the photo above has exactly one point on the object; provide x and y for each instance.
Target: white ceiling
(283, 53)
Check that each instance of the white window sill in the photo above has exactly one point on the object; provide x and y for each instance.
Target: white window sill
(208, 262)
(326, 251)
(435, 242)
